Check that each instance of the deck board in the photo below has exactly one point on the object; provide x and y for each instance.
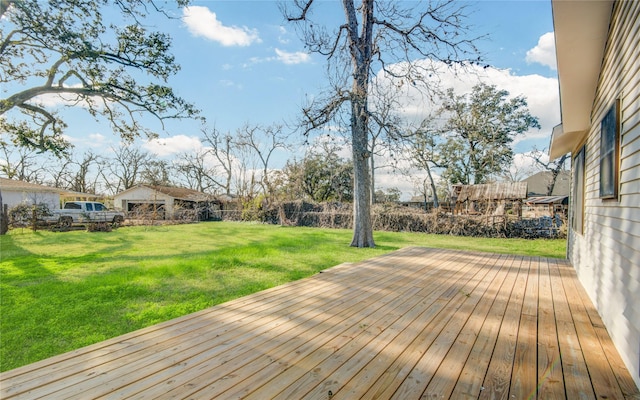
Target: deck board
(415, 323)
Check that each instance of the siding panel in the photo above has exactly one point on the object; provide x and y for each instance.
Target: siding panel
(607, 255)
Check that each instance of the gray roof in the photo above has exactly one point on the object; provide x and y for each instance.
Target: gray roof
(492, 191)
(22, 186)
(538, 184)
(547, 200)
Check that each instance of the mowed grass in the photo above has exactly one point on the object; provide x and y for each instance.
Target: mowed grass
(62, 291)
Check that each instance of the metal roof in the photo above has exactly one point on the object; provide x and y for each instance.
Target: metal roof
(492, 191)
(547, 200)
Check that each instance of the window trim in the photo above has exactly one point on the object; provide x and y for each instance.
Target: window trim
(578, 201)
(610, 153)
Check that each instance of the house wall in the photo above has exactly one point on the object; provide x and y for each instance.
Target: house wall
(143, 195)
(12, 198)
(607, 255)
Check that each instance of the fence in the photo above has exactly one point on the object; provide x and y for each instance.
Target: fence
(410, 220)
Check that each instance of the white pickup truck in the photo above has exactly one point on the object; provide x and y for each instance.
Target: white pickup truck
(82, 212)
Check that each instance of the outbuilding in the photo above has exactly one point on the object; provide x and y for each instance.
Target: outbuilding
(166, 202)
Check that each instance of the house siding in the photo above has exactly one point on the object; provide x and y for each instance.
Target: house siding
(13, 198)
(607, 255)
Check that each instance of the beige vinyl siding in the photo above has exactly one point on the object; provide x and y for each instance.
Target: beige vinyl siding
(607, 255)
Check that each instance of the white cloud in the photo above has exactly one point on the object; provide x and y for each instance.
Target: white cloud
(92, 141)
(284, 57)
(297, 57)
(283, 35)
(203, 22)
(230, 84)
(545, 51)
(173, 145)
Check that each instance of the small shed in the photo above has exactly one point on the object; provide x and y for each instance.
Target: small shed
(166, 202)
(491, 198)
(546, 206)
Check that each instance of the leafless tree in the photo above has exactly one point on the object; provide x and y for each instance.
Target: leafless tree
(257, 144)
(194, 171)
(423, 155)
(21, 163)
(125, 168)
(221, 147)
(386, 36)
(386, 138)
(83, 179)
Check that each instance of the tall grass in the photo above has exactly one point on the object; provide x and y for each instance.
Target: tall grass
(62, 291)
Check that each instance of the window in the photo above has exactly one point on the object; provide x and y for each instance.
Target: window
(89, 206)
(577, 216)
(98, 207)
(610, 152)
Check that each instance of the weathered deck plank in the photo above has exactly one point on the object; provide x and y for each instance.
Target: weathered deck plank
(416, 323)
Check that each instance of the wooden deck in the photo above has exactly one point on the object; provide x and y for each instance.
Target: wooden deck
(416, 323)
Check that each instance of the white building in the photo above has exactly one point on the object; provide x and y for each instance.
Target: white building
(598, 52)
(164, 202)
(16, 192)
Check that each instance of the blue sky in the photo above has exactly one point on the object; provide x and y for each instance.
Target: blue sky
(253, 71)
(241, 62)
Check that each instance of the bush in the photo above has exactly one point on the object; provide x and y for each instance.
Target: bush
(99, 227)
(25, 215)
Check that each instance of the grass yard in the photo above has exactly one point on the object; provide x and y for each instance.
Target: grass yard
(62, 291)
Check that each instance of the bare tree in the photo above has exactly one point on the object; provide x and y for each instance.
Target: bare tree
(21, 163)
(194, 171)
(386, 138)
(221, 147)
(258, 144)
(376, 35)
(83, 180)
(126, 168)
(423, 155)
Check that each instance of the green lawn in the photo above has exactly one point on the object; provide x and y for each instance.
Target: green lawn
(62, 291)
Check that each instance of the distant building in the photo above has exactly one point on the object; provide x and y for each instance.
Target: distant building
(538, 184)
(491, 198)
(166, 202)
(15, 192)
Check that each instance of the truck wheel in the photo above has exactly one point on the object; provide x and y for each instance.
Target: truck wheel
(118, 219)
(65, 222)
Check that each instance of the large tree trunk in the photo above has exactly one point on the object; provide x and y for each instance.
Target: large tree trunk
(360, 49)
(362, 226)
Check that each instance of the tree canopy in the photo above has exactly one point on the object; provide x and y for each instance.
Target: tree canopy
(480, 127)
(118, 70)
(320, 176)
